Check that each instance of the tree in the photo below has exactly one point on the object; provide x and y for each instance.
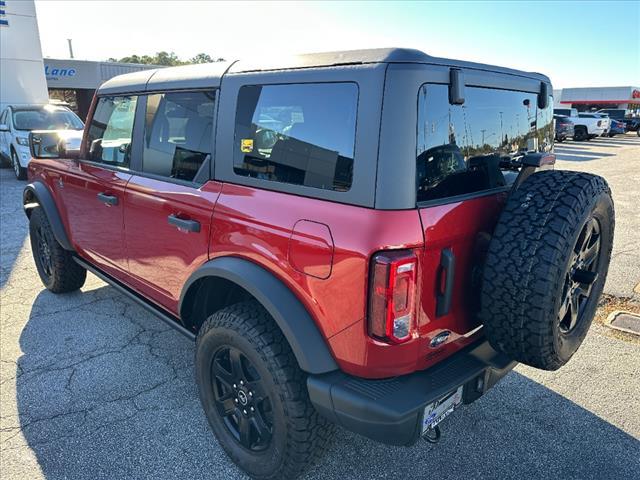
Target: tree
(201, 58)
(167, 59)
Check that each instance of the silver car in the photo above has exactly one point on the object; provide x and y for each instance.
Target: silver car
(17, 121)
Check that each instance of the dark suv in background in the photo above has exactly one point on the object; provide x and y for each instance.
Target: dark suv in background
(564, 128)
(366, 238)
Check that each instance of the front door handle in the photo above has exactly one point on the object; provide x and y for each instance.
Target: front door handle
(108, 199)
(183, 224)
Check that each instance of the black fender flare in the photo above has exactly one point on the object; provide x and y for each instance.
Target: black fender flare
(289, 313)
(37, 194)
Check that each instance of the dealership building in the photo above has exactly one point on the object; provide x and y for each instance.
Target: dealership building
(75, 81)
(26, 78)
(596, 98)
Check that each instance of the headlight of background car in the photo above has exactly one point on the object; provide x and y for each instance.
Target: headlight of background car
(22, 141)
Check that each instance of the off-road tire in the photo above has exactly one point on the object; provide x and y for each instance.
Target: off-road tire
(299, 434)
(580, 133)
(62, 274)
(529, 262)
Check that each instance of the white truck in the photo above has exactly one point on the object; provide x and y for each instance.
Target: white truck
(587, 125)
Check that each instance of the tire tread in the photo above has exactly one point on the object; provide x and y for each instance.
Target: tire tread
(524, 268)
(67, 275)
(309, 434)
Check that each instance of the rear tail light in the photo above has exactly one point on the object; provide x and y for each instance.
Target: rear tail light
(392, 296)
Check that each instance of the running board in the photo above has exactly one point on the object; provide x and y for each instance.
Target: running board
(165, 317)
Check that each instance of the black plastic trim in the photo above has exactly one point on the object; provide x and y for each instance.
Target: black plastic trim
(291, 316)
(45, 200)
(456, 87)
(165, 317)
(184, 224)
(390, 411)
(107, 199)
(460, 198)
(448, 269)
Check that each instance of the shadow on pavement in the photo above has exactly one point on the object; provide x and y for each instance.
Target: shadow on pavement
(571, 148)
(580, 157)
(107, 391)
(14, 227)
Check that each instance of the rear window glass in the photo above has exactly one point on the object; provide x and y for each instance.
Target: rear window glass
(462, 149)
(301, 134)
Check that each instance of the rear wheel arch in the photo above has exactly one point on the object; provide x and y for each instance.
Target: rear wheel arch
(224, 281)
(36, 194)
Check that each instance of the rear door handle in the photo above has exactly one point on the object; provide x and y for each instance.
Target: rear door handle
(447, 274)
(108, 199)
(183, 224)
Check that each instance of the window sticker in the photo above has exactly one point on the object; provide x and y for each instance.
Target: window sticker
(246, 145)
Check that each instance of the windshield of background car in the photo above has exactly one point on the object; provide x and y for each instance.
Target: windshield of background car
(461, 148)
(46, 118)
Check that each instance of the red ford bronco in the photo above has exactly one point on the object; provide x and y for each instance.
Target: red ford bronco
(365, 238)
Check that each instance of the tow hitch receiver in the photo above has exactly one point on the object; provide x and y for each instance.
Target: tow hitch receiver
(432, 435)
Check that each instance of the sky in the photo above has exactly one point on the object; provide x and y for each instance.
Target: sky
(575, 43)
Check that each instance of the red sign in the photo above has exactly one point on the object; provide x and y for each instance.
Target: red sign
(635, 94)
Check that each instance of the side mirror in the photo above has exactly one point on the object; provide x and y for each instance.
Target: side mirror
(456, 87)
(54, 144)
(4, 128)
(543, 95)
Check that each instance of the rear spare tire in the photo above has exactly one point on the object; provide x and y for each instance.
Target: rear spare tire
(546, 267)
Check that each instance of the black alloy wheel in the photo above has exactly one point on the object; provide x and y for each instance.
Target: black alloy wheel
(241, 399)
(43, 251)
(255, 396)
(580, 277)
(57, 269)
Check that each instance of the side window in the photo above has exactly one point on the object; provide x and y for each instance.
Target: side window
(301, 134)
(178, 132)
(111, 129)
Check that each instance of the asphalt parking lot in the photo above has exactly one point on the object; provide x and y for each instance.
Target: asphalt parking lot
(93, 386)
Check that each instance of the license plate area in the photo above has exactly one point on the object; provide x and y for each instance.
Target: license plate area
(437, 411)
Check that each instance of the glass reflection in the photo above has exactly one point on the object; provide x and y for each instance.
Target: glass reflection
(466, 148)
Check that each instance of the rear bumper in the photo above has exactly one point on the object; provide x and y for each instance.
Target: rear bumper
(390, 411)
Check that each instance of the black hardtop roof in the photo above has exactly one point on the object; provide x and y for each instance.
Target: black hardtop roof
(210, 74)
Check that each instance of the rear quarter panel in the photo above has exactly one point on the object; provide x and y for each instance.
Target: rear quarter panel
(257, 224)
